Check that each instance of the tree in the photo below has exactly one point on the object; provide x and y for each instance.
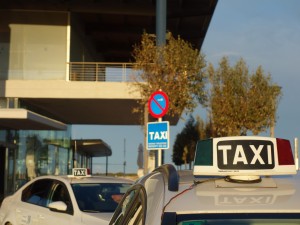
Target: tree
(240, 102)
(176, 68)
(185, 142)
(178, 149)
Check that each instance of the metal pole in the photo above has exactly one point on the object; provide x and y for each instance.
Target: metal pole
(106, 169)
(145, 140)
(296, 154)
(161, 18)
(75, 156)
(124, 163)
(159, 156)
(161, 27)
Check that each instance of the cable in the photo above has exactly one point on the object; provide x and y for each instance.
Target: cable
(171, 199)
(185, 190)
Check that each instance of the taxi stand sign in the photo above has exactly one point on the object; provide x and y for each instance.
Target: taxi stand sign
(158, 135)
(244, 156)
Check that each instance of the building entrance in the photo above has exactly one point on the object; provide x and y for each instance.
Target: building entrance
(2, 171)
(7, 171)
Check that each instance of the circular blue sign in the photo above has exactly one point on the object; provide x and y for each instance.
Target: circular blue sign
(158, 104)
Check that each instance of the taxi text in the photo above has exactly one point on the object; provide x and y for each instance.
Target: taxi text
(245, 154)
(79, 172)
(162, 135)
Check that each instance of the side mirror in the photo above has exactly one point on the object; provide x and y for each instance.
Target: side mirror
(58, 206)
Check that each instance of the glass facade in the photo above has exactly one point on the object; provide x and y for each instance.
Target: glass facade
(33, 153)
(38, 153)
(34, 45)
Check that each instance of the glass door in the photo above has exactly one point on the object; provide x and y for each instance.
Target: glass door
(7, 174)
(12, 183)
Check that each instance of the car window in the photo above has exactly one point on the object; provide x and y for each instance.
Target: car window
(38, 192)
(93, 197)
(132, 209)
(60, 193)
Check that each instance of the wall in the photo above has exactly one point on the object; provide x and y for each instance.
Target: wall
(38, 45)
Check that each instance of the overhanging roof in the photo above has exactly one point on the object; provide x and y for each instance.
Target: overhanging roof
(92, 147)
(105, 103)
(111, 27)
(92, 111)
(87, 111)
(22, 119)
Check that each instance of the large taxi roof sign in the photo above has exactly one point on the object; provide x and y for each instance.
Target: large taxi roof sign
(244, 156)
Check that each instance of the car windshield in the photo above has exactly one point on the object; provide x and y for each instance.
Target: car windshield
(237, 219)
(242, 222)
(100, 197)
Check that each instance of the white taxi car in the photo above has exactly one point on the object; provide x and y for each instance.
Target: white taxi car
(235, 180)
(76, 199)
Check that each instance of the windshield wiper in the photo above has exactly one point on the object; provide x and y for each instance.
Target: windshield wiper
(91, 211)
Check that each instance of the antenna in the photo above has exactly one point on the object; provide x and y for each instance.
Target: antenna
(124, 164)
(296, 154)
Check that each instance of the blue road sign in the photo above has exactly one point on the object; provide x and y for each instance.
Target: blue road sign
(158, 135)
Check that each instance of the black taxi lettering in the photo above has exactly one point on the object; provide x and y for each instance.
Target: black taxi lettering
(245, 154)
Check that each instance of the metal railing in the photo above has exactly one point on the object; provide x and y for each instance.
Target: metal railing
(105, 72)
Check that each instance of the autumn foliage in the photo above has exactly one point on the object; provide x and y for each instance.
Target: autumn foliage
(175, 68)
(240, 101)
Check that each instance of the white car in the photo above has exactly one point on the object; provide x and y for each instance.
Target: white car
(50, 200)
(235, 180)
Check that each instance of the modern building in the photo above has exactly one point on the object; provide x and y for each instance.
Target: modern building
(66, 62)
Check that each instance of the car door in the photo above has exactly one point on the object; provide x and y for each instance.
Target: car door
(29, 209)
(58, 193)
(34, 205)
(132, 209)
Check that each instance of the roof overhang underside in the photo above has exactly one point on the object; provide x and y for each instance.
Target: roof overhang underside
(22, 119)
(92, 147)
(93, 111)
(112, 27)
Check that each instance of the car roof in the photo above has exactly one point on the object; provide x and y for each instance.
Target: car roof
(215, 195)
(240, 174)
(88, 179)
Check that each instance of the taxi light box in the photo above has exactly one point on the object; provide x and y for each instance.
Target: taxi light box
(80, 172)
(245, 155)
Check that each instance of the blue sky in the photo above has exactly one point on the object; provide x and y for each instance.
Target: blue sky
(262, 32)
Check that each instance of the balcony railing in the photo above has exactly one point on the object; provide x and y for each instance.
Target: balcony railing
(106, 72)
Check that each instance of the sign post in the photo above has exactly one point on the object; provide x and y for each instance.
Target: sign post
(158, 106)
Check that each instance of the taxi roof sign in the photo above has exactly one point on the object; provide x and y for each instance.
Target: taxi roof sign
(80, 172)
(244, 156)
